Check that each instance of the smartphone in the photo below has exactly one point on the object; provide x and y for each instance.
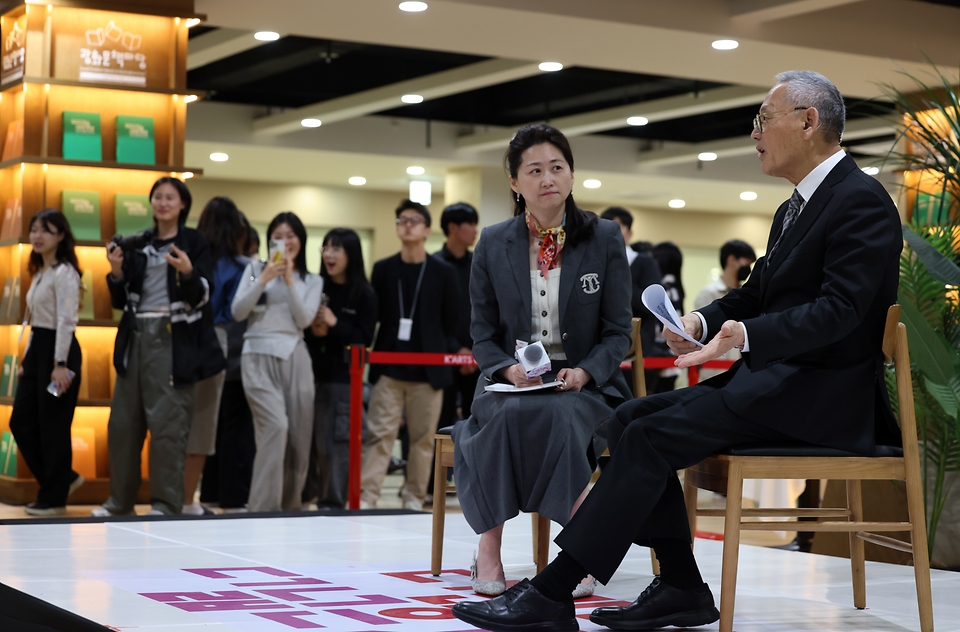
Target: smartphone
(52, 386)
(277, 250)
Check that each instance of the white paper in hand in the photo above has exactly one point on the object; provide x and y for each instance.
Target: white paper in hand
(656, 300)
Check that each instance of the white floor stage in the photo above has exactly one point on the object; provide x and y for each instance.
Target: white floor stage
(361, 573)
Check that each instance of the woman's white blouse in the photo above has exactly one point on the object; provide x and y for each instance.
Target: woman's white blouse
(53, 302)
(545, 315)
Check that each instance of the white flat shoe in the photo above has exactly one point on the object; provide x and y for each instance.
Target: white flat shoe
(491, 589)
(585, 590)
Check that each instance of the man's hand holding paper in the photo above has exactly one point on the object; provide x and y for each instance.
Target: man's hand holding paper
(730, 336)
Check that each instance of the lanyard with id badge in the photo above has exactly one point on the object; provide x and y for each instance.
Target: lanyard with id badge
(406, 324)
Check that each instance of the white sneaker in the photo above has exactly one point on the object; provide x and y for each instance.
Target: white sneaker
(365, 505)
(196, 509)
(75, 485)
(413, 505)
(232, 510)
(103, 512)
(154, 512)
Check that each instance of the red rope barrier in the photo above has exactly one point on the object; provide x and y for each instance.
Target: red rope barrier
(360, 357)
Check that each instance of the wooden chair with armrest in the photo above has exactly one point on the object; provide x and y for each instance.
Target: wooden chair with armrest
(725, 473)
(443, 458)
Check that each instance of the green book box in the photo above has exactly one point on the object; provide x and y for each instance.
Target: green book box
(135, 143)
(933, 208)
(8, 454)
(81, 136)
(133, 213)
(82, 209)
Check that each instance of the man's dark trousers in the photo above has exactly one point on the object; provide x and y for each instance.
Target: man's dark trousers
(650, 439)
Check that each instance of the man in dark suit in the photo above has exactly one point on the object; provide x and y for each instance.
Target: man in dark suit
(809, 321)
(418, 313)
(644, 272)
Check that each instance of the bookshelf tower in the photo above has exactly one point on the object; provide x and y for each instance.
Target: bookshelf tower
(79, 76)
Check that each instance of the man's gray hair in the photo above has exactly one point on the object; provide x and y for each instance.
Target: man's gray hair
(806, 88)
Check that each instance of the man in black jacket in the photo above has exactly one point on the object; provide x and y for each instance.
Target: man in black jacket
(418, 313)
(644, 272)
(809, 322)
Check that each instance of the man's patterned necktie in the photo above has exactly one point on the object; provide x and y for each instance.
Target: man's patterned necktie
(793, 209)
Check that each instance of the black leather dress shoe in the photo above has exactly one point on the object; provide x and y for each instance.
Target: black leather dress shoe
(521, 608)
(661, 605)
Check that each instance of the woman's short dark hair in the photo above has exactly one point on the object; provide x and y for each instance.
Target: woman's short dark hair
(349, 240)
(410, 205)
(53, 220)
(580, 224)
(290, 219)
(225, 230)
(459, 213)
(182, 190)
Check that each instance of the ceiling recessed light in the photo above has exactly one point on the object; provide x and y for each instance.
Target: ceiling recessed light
(412, 98)
(311, 122)
(748, 196)
(637, 121)
(871, 171)
(416, 171)
(413, 7)
(266, 36)
(190, 98)
(550, 66)
(357, 181)
(725, 44)
(676, 203)
(192, 22)
(591, 184)
(219, 156)
(421, 191)
(706, 156)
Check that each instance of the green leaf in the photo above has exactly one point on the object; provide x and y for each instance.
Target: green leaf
(940, 267)
(928, 348)
(948, 396)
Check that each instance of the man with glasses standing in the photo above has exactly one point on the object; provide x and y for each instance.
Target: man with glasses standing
(418, 313)
(809, 322)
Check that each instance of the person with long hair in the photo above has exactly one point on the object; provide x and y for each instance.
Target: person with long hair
(556, 275)
(42, 416)
(347, 316)
(226, 234)
(280, 299)
(165, 345)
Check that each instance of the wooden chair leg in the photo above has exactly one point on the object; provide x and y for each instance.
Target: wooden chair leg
(541, 541)
(857, 564)
(731, 546)
(439, 509)
(921, 558)
(690, 500)
(654, 562)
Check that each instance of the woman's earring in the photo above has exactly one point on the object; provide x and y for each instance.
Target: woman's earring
(518, 197)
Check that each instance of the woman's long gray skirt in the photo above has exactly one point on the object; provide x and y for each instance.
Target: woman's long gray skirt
(525, 452)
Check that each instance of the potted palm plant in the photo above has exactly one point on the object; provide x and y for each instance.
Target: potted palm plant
(928, 148)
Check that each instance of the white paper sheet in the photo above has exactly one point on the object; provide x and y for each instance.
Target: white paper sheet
(510, 388)
(656, 300)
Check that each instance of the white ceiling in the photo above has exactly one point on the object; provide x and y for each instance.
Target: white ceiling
(859, 45)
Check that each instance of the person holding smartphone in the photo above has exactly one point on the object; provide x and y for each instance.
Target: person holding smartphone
(165, 344)
(46, 396)
(279, 299)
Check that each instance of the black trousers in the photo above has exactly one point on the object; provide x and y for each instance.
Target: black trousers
(41, 422)
(227, 474)
(638, 496)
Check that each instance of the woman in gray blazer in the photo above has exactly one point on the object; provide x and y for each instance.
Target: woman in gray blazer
(557, 275)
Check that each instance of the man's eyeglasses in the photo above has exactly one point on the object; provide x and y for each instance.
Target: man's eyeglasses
(765, 117)
(415, 220)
